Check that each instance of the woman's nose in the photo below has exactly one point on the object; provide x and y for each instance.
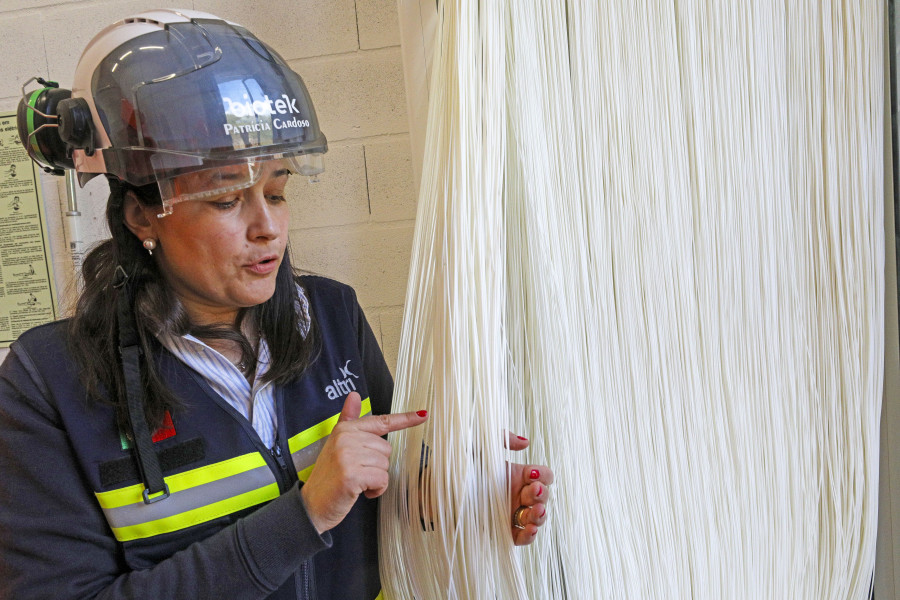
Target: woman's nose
(264, 218)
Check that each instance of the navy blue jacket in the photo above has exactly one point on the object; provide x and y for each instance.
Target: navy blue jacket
(73, 525)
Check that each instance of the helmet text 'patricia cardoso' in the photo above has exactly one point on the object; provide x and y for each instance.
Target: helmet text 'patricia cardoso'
(238, 110)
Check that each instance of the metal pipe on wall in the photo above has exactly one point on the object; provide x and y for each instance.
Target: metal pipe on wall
(72, 223)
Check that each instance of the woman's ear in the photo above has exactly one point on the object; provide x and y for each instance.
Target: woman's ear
(138, 219)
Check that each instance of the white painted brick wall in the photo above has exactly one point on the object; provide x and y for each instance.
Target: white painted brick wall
(356, 223)
(364, 91)
(392, 195)
(377, 22)
(295, 28)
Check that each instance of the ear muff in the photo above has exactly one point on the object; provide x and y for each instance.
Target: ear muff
(38, 125)
(75, 124)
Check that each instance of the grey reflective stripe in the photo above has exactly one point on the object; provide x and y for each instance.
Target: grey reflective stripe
(306, 457)
(190, 498)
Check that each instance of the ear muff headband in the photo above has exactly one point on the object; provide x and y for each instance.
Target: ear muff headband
(32, 139)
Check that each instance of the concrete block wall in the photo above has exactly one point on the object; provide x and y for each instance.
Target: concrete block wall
(355, 224)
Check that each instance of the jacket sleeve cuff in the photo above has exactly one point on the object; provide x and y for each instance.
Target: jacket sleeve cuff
(277, 539)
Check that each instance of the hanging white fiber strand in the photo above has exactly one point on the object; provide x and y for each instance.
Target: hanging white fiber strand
(650, 238)
(550, 318)
(455, 363)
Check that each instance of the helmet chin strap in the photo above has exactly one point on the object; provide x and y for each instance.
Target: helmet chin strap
(130, 354)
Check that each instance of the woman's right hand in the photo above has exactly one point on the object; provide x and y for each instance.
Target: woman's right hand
(353, 461)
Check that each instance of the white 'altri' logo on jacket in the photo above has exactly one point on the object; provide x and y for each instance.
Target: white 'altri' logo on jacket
(339, 388)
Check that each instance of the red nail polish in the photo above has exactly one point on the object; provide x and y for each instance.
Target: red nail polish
(540, 491)
(535, 474)
(523, 438)
(543, 512)
(422, 413)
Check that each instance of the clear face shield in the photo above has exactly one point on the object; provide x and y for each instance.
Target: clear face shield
(218, 178)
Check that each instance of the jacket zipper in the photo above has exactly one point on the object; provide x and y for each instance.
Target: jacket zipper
(306, 579)
(277, 454)
(306, 587)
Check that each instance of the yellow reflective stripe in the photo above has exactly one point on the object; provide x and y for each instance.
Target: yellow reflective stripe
(380, 596)
(317, 432)
(305, 473)
(126, 511)
(182, 481)
(198, 515)
(321, 430)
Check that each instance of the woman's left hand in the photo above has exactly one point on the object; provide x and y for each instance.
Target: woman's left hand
(529, 487)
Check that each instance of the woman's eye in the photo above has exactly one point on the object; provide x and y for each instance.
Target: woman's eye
(226, 203)
(276, 198)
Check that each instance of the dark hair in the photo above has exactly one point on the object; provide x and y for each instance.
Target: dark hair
(93, 330)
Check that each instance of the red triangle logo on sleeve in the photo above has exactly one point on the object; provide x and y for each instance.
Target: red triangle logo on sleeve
(166, 431)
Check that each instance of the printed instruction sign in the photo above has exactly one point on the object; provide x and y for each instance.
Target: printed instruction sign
(27, 294)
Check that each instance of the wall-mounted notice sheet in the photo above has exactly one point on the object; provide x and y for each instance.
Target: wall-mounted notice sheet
(27, 294)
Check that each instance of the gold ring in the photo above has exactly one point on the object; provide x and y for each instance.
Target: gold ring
(517, 517)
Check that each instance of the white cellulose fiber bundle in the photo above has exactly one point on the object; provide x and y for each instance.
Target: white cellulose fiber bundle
(650, 239)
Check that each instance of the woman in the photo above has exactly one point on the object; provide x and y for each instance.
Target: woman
(177, 436)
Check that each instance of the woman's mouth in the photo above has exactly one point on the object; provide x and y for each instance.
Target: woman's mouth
(264, 266)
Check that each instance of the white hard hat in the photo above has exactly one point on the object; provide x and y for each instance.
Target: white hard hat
(167, 92)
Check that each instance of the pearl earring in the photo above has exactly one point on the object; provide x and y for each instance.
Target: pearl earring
(150, 244)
